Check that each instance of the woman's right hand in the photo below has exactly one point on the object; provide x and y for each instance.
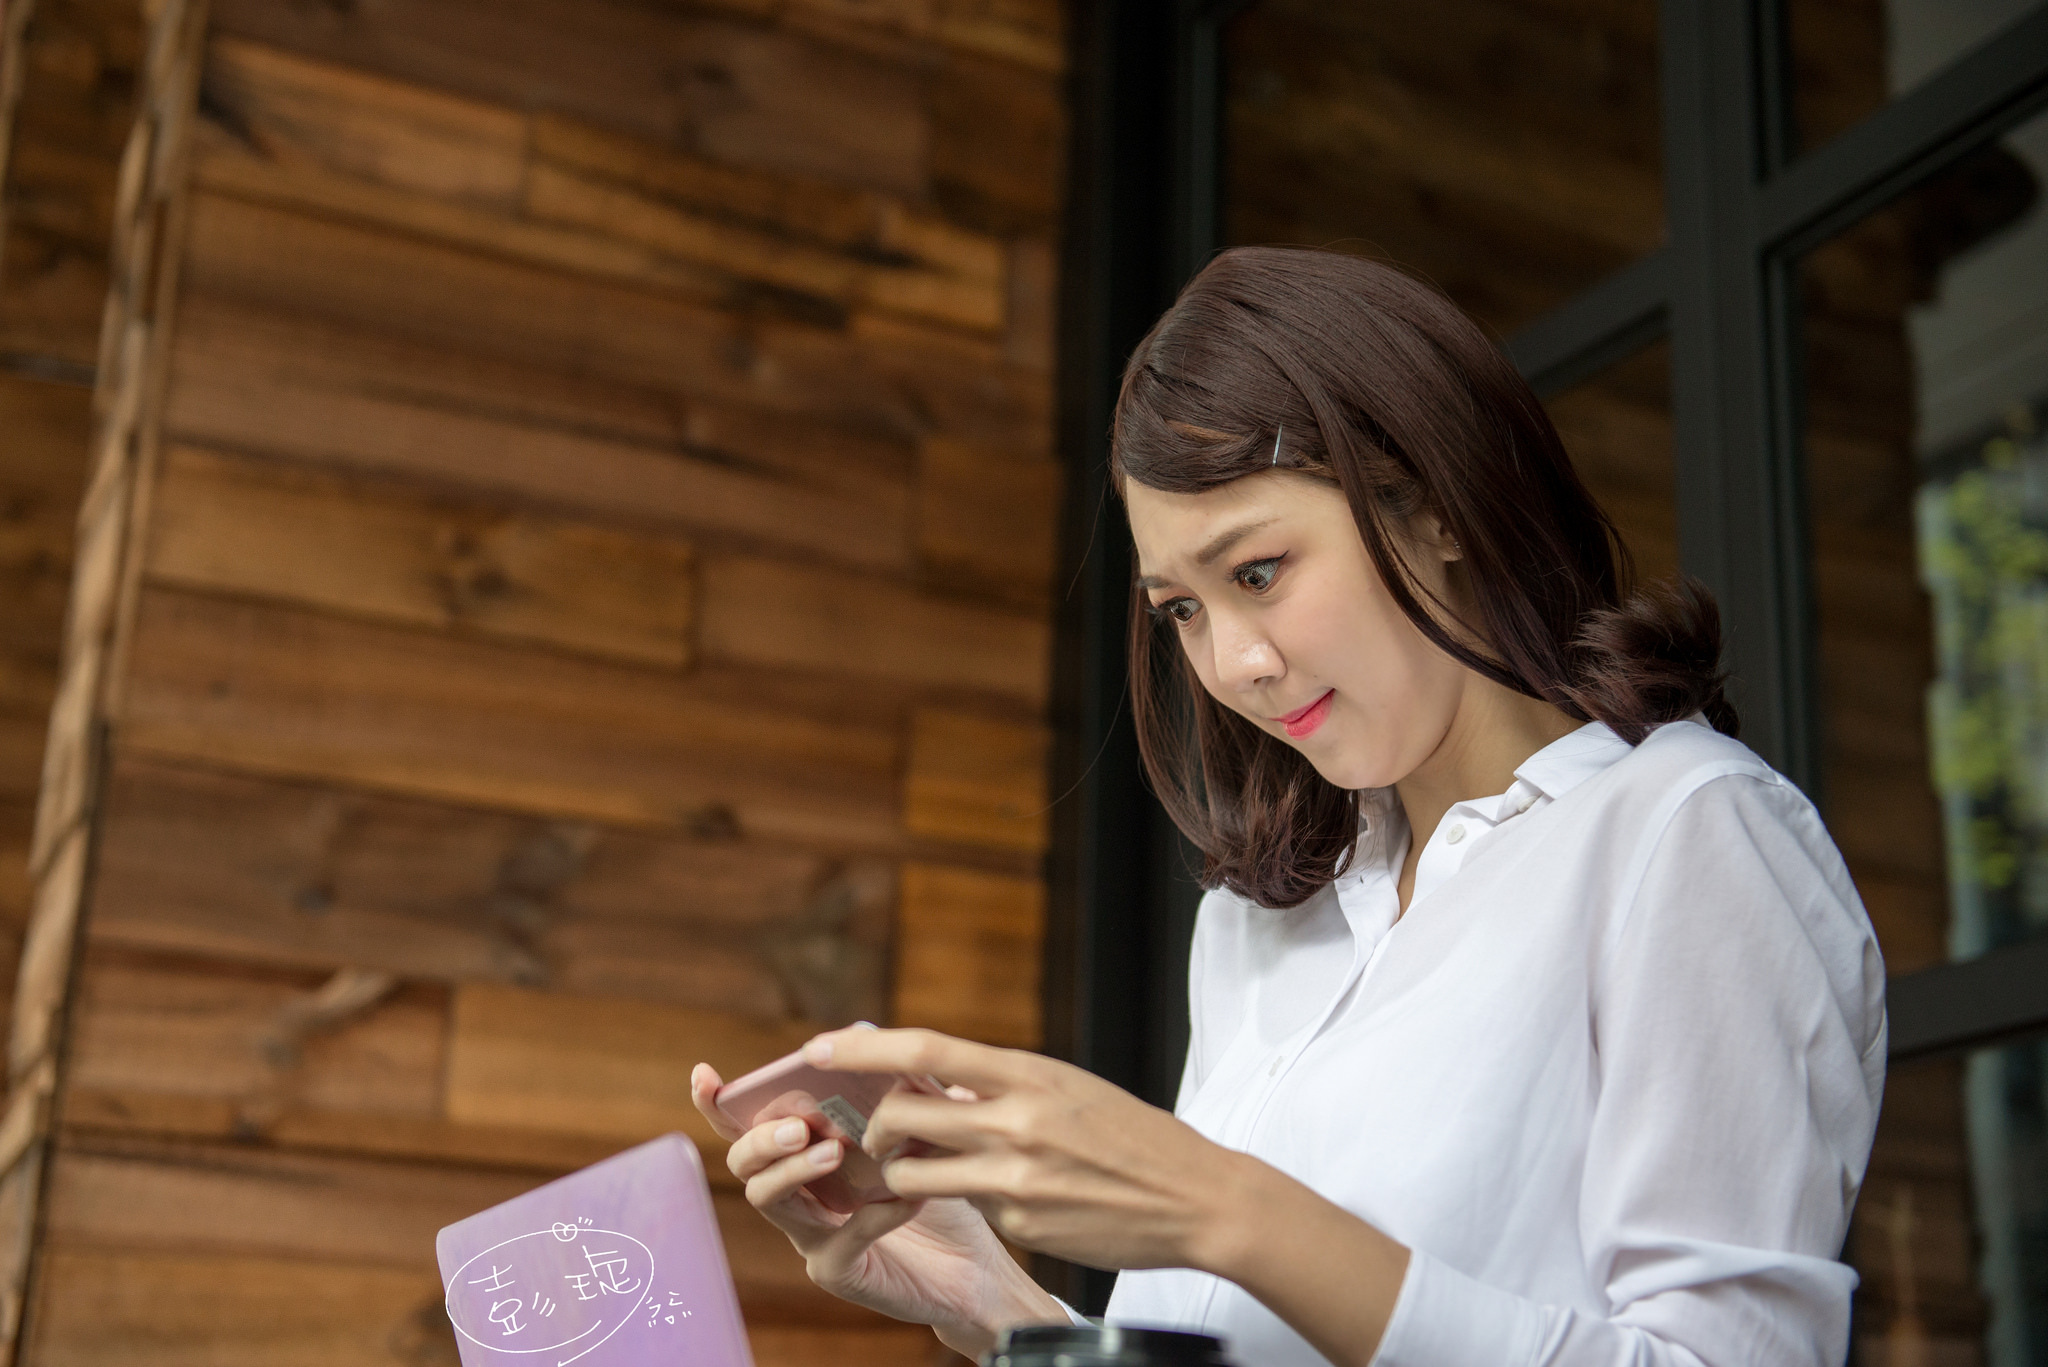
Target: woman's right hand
(931, 1262)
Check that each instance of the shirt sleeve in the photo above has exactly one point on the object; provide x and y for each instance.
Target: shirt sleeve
(1738, 1023)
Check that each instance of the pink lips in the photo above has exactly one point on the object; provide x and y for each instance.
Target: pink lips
(1303, 720)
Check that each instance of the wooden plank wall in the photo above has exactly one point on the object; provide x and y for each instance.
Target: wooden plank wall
(585, 608)
(73, 63)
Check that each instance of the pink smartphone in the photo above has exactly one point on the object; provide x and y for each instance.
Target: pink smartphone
(835, 1105)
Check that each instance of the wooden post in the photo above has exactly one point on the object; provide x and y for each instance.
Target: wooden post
(147, 222)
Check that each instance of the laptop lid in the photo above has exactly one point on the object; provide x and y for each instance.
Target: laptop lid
(619, 1265)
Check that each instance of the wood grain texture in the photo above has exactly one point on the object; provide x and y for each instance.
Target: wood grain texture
(988, 522)
(777, 615)
(77, 68)
(1033, 338)
(93, 1116)
(51, 292)
(998, 145)
(355, 401)
(860, 222)
(777, 1345)
(145, 240)
(971, 300)
(595, 1065)
(967, 960)
(43, 982)
(42, 476)
(315, 135)
(180, 1048)
(499, 324)
(844, 458)
(20, 1199)
(250, 1201)
(47, 430)
(443, 295)
(269, 690)
(313, 877)
(104, 1308)
(734, 91)
(1028, 33)
(229, 164)
(215, 1033)
(975, 781)
(965, 386)
(878, 374)
(254, 527)
(1512, 182)
(180, 1200)
(316, 114)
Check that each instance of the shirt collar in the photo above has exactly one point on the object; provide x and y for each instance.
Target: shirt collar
(1571, 759)
(1553, 771)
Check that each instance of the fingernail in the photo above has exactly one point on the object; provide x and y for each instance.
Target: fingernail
(818, 1052)
(825, 1154)
(790, 1133)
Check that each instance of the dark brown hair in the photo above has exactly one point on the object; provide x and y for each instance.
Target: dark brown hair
(1358, 374)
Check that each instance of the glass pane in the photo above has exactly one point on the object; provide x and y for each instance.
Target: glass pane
(1505, 149)
(1850, 56)
(1617, 427)
(1926, 331)
(1951, 1233)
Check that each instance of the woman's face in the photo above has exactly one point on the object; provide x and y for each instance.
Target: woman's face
(1286, 620)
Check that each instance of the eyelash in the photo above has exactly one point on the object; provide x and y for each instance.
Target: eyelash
(1271, 565)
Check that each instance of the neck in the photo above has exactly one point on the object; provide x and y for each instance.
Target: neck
(1493, 731)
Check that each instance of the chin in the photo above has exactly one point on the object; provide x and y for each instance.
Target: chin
(1351, 770)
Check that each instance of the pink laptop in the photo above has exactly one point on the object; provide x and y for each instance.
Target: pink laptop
(619, 1265)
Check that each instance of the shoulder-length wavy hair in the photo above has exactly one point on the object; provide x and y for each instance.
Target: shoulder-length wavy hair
(1358, 374)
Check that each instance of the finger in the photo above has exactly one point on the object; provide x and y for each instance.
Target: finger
(988, 1070)
(975, 1176)
(779, 1181)
(766, 1144)
(949, 1124)
(832, 1257)
(704, 1085)
(804, 1219)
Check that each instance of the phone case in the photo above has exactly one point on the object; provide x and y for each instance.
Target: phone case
(619, 1265)
(836, 1106)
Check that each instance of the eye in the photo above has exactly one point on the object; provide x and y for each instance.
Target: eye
(1181, 610)
(1258, 575)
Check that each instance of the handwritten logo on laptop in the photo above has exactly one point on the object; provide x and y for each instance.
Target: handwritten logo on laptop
(558, 1291)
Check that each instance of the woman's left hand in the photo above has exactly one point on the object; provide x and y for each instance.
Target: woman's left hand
(1056, 1158)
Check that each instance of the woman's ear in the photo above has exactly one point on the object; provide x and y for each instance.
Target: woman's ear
(1433, 538)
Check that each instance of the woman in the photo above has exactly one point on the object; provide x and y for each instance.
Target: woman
(1535, 1019)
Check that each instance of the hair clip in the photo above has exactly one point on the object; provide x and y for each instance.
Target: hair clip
(1276, 444)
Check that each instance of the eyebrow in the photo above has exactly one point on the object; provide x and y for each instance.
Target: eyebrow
(1217, 546)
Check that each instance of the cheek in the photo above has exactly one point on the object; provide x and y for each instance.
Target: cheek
(1348, 633)
(1399, 690)
(1194, 648)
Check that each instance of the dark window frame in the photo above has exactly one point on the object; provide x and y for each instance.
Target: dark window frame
(1743, 204)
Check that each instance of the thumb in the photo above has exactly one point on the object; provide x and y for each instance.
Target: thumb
(832, 1258)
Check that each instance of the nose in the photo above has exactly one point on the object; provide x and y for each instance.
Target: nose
(1246, 657)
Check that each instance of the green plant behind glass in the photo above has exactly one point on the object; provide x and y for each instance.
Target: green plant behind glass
(1984, 558)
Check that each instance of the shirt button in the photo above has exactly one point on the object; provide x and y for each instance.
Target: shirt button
(1457, 833)
(1274, 1071)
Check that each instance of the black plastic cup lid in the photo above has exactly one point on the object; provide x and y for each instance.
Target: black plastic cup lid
(1104, 1345)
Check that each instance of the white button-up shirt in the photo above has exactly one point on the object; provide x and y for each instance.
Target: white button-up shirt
(1612, 1078)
